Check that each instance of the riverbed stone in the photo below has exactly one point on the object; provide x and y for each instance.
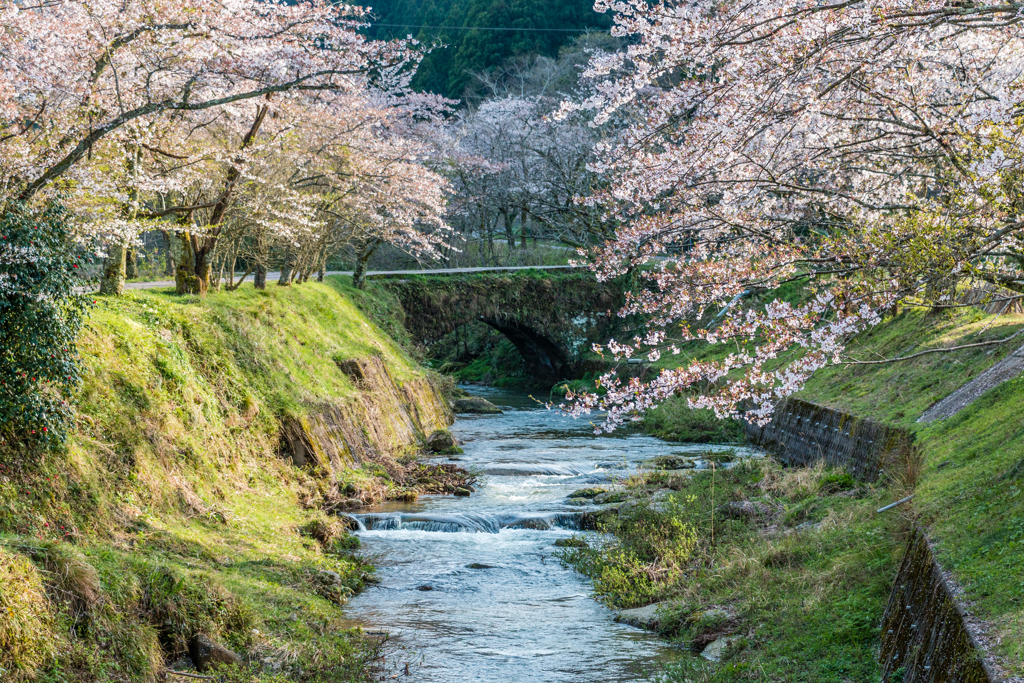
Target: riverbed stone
(478, 565)
(587, 493)
(462, 492)
(715, 649)
(442, 441)
(670, 462)
(610, 497)
(207, 654)
(645, 617)
(475, 405)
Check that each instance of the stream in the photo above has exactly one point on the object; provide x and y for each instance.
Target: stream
(519, 615)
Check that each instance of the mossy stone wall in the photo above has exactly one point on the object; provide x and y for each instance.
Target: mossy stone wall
(802, 433)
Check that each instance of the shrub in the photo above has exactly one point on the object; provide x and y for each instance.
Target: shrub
(40, 317)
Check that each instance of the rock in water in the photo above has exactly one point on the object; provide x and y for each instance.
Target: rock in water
(441, 441)
(587, 493)
(642, 617)
(475, 405)
(207, 655)
(462, 492)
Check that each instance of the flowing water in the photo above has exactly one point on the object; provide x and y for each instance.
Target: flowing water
(517, 615)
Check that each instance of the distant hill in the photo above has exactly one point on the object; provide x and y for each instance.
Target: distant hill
(448, 71)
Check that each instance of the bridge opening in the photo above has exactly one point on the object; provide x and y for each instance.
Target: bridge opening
(499, 351)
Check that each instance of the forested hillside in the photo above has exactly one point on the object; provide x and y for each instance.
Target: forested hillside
(545, 27)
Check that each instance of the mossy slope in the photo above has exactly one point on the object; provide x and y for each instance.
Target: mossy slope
(172, 511)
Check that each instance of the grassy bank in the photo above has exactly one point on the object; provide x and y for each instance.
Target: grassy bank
(800, 585)
(172, 512)
(790, 567)
(968, 498)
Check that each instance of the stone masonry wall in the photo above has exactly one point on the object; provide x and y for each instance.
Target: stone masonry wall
(384, 419)
(802, 433)
(925, 638)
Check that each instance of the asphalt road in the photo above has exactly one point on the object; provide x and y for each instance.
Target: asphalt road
(273, 277)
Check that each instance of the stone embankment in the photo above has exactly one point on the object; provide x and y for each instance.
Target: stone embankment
(802, 433)
(385, 419)
(925, 635)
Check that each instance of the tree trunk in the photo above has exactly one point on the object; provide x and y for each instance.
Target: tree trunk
(192, 276)
(320, 273)
(131, 264)
(510, 235)
(112, 282)
(524, 231)
(359, 276)
(286, 271)
(170, 254)
(260, 279)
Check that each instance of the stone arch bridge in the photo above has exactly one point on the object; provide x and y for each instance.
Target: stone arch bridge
(553, 318)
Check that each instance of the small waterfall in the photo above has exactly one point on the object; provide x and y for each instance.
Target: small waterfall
(451, 523)
(534, 470)
(358, 522)
(471, 523)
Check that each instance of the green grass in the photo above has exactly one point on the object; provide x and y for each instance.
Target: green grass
(171, 512)
(674, 420)
(898, 393)
(801, 586)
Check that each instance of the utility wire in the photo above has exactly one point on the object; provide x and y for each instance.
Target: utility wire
(486, 28)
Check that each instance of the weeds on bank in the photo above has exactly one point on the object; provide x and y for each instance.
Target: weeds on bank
(794, 566)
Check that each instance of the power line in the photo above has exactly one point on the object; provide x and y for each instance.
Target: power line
(487, 28)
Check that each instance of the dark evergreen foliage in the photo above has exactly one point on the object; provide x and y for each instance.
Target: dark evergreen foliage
(40, 317)
(449, 70)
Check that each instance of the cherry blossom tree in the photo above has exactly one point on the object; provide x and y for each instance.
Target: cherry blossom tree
(84, 82)
(325, 176)
(870, 149)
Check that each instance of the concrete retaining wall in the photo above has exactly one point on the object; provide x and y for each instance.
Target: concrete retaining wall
(925, 638)
(803, 433)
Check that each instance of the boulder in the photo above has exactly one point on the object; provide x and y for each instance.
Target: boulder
(642, 617)
(714, 651)
(670, 462)
(610, 497)
(463, 492)
(745, 509)
(442, 441)
(587, 493)
(475, 405)
(207, 655)
(477, 565)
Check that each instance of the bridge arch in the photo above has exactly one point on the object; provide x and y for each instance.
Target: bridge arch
(552, 318)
